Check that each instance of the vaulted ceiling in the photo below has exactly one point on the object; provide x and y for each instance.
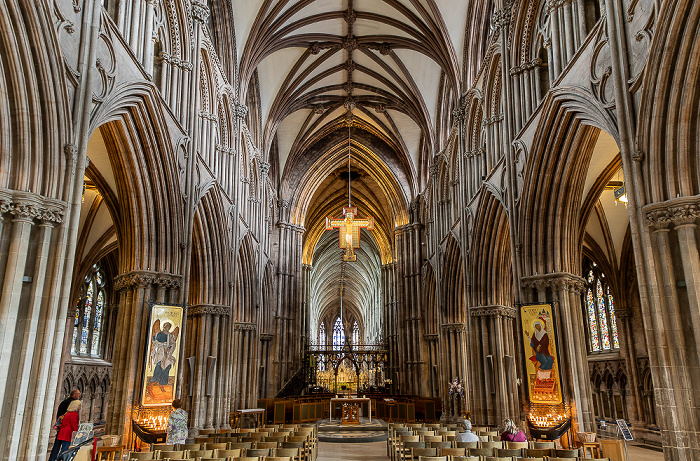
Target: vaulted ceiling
(384, 73)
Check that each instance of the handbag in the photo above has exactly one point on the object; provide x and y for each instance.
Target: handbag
(57, 424)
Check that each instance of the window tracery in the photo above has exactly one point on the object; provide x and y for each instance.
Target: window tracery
(338, 335)
(600, 312)
(87, 329)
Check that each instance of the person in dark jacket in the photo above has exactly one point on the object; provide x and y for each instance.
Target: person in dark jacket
(69, 424)
(63, 406)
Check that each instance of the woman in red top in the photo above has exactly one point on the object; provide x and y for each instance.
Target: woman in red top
(69, 424)
(511, 433)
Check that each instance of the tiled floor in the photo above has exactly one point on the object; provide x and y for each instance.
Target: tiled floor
(376, 451)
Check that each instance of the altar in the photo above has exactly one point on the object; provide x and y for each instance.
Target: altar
(350, 416)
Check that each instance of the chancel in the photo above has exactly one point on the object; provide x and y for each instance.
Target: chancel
(351, 229)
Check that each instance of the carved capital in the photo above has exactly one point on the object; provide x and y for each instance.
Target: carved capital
(200, 11)
(208, 309)
(266, 337)
(245, 326)
(679, 211)
(456, 327)
(31, 207)
(431, 337)
(555, 281)
(142, 279)
(240, 110)
(264, 168)
(494, 311)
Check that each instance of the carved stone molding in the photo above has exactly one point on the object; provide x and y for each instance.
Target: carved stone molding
(266, 337)
(245, 326)
(555, 281)
(32, 207)
(208, 309)
(241, 110)
(431, 338)
(679, 211)
(142, 279)
(200, 11)
(492, 311)
(458, 327)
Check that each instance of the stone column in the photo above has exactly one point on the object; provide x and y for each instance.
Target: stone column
(563, 290)
(494, 372)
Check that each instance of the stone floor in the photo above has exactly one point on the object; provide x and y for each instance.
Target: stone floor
(376, 451)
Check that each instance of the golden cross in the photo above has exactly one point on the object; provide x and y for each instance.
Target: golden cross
(349, 231)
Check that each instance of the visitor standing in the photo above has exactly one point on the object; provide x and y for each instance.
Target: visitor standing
(69, 424)
(177, 431)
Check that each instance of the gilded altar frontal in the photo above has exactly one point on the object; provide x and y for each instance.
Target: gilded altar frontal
(349, 229)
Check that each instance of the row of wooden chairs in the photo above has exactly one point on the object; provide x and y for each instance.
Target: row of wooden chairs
(458, 457)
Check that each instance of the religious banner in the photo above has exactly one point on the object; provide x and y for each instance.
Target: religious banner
(349, 235)
(162, 355)
(541, 357)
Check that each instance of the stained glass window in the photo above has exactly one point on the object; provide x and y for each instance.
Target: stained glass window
(599, 307)
(87, 328)
(356, 334)
(338, 335)
(592, 320)
(321, 334)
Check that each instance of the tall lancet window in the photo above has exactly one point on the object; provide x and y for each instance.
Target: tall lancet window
(88, 314)
(321, 334)
(338, 335)
(355, 334)
(600, 312)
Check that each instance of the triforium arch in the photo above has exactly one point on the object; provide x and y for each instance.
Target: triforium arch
(495, 352)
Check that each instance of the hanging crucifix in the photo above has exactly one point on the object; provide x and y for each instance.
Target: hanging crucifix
(349, 231)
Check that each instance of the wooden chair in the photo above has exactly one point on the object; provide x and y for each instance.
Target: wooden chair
(258, 452)
(142, 456)
(543, 445)
(506, 453)
(537, 453)
(215, 446)
(417, 453)
(516, 445)
(491, 444)
(453, 452)
(407, 448)
(235, 453)
(163, 447)
(485, 452)
(109, 453)
(171, 454)
(443, 444)
(292, 453)
(201, 453)
(189, 446)
(566, 453)
(268, 445)
(242, 445)
(398, 444)
(466, 444)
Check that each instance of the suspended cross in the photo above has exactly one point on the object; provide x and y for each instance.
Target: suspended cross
(349, 231)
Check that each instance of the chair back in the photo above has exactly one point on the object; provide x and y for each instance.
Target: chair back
(537, 453)
(290, 452)
(443, 444)
(432, 438)
(414, 425)
(215, 446)
(566, 453)
(481, 452)
(491, 444)
(411, 445)
(496, 458)
(275, 438)
(247, 458)
(530, 459)
(207, 431)
(163, 446)
(235, 453)
(258, 452)
(201, 453)
(432, 458)
(453, 452)
(171, 454)
(268, 445)
(506, 453)
(293, 444)
(409, 438)
(240, 445)
(279, 458)
(465, 458)
(143, 455)
(467, 444)
(542, 445)
(516, 445)
(553, 458)
(422, 452)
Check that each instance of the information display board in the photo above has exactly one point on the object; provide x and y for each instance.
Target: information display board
(624, 429)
